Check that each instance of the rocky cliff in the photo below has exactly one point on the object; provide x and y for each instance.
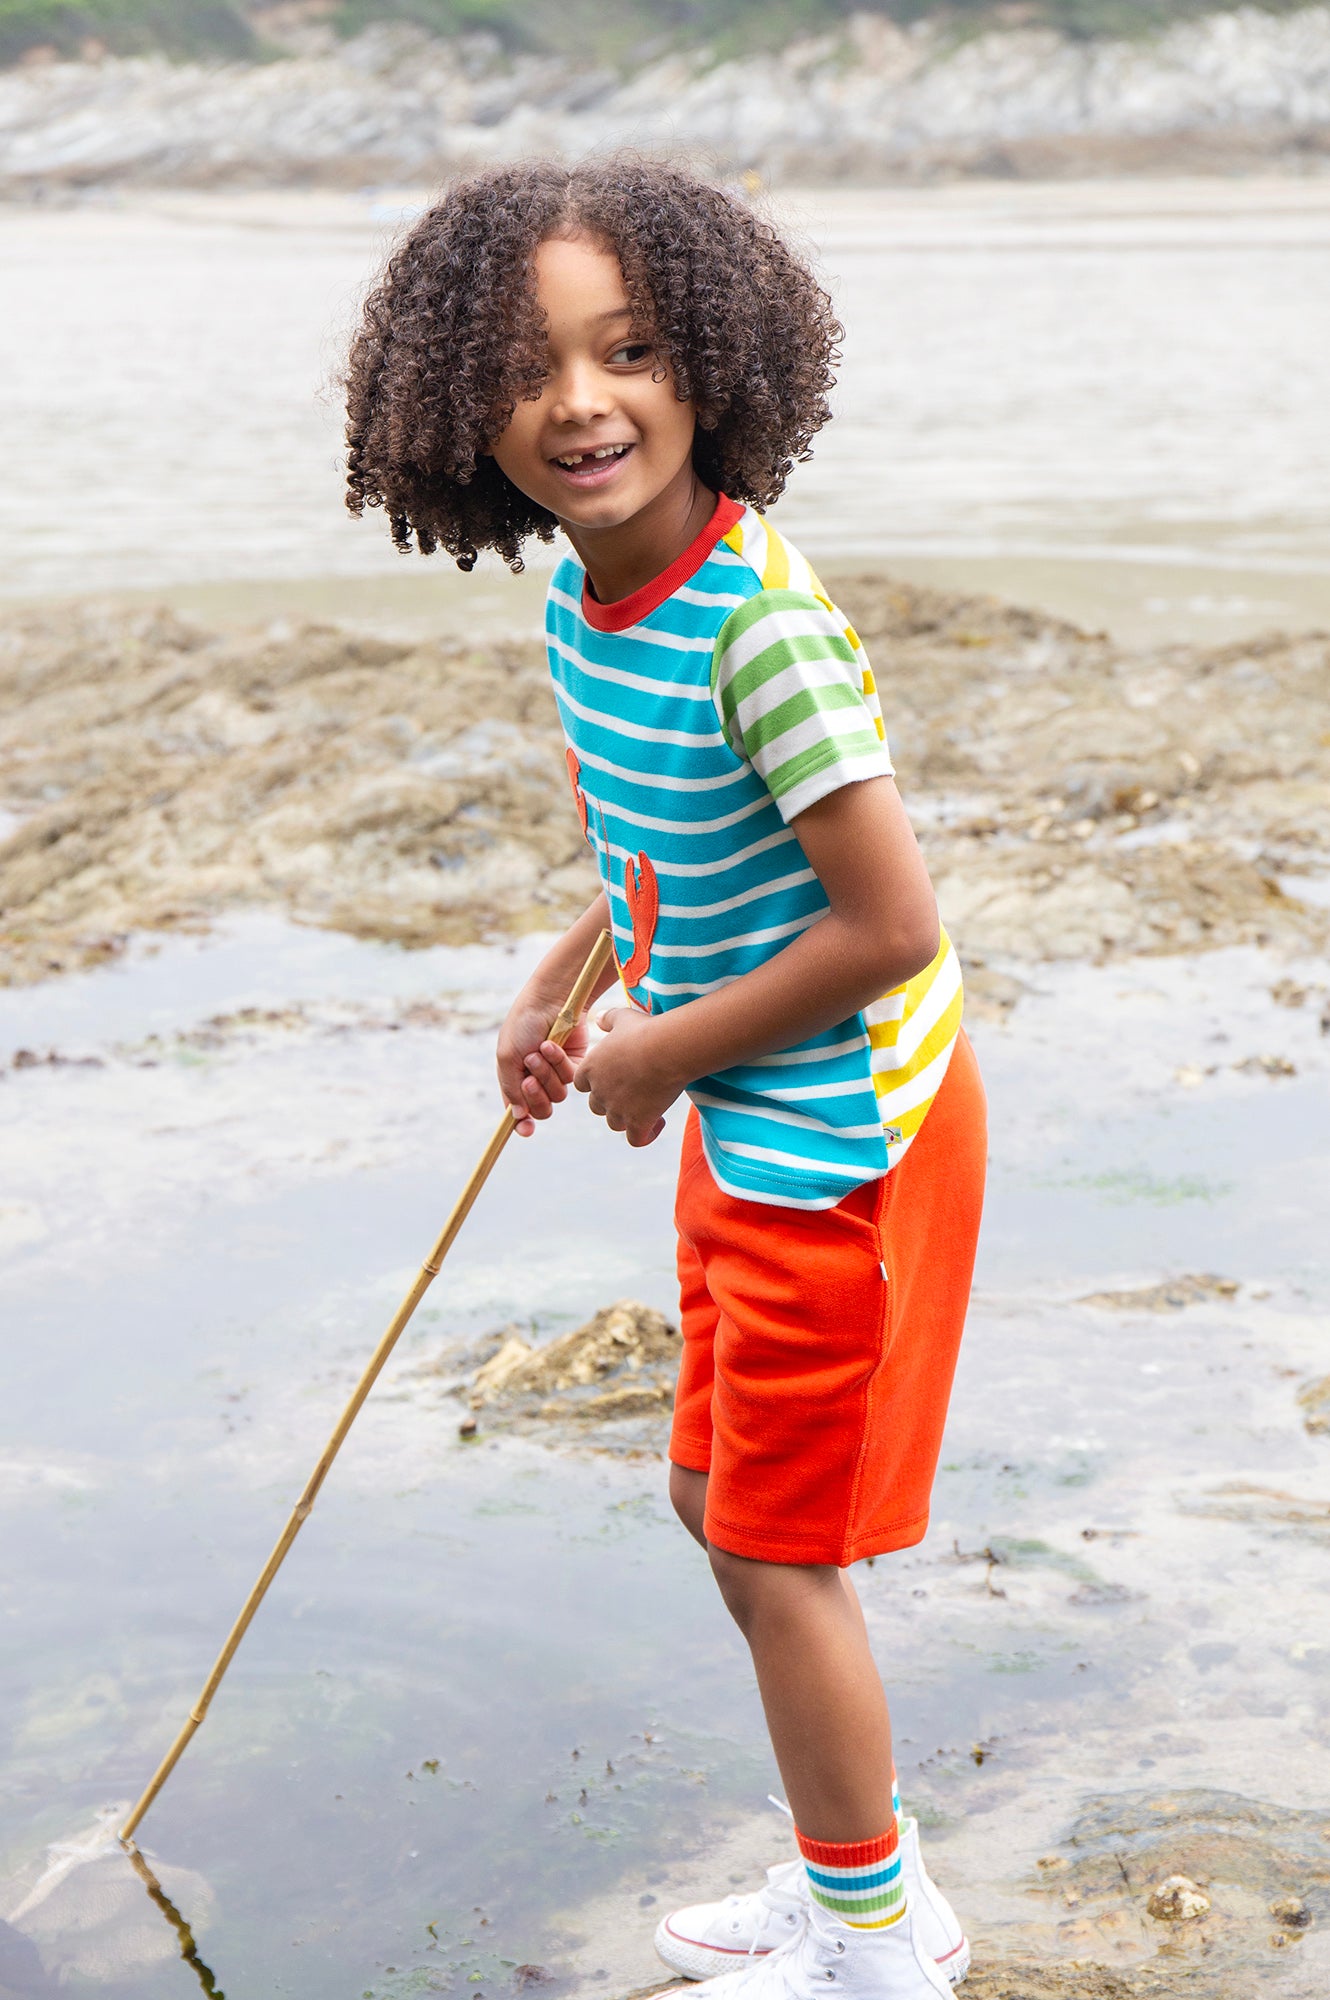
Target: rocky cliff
(876, 101)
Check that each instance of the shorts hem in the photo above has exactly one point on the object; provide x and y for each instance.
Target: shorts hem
(774, 1545)
(690, 1454)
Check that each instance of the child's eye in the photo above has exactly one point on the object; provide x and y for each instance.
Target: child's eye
(632, 352)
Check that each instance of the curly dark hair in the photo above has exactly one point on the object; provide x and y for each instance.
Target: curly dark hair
(452, 339)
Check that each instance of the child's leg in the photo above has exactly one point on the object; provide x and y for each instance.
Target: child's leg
(820, 1687)
(821, 1692)
(688, 1497)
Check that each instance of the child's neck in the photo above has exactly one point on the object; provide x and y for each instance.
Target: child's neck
(622, 559)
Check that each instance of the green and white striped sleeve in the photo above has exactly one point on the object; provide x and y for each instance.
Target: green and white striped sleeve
(795, 695)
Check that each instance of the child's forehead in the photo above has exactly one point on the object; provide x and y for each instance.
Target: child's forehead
(578, 249)
(579, 278)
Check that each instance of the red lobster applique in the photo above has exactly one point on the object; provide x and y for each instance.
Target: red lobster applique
(642, 895)
(575, 779)
(640, 888)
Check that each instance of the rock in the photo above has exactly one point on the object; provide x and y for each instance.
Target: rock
(1170, 1295)
(621, 1364)
(497, 1373)
(990, 995)
(139, 811)
(162, 774)
(1315, 1400)
(1177, 1900)
(1239, 1855)
(627, 1402)
(396, 106)
(1261, 1506)
(1291, 1912)
(621, 1338)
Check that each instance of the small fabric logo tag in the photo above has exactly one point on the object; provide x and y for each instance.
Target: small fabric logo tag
(892, 1134)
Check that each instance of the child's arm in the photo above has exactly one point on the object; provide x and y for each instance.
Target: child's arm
(531, 1096)
(881, 929)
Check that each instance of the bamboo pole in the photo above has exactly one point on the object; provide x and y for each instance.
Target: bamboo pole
(562, 1027)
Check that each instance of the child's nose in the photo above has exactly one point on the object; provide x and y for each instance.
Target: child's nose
(580, 393)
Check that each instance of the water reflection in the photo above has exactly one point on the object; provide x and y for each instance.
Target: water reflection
(189, 1951)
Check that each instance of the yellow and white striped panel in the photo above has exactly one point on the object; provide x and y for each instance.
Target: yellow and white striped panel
(912, 1032)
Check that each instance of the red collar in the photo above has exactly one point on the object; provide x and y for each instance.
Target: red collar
(631, 610)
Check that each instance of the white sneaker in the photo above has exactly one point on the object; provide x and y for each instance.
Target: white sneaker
(861, 1965)
(936, 1923)
(710, 1939)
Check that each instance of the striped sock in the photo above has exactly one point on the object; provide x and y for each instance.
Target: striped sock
(860, 1882)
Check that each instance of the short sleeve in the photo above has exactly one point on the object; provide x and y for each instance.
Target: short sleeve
(796, 697)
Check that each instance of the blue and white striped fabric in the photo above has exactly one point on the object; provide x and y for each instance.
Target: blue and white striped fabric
(686, 777)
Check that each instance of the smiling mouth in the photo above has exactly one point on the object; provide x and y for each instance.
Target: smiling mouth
(587, 464)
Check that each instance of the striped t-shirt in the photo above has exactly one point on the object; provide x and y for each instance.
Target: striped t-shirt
(702, 715)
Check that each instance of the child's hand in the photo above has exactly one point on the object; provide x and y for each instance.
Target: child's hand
(534, 1073)
(624, 1080)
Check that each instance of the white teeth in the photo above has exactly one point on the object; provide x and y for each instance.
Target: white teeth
(602, 451)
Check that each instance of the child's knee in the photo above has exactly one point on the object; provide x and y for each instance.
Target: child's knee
(738, 1583)
(768, 1594)
(688, 1497)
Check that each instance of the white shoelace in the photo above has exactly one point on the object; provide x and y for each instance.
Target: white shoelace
(760, 1976)
(777, 1905)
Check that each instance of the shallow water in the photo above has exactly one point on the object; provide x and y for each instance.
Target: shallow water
(1112, 398)
(493, 1681)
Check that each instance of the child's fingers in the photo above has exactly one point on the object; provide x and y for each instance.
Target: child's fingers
(522, 1125)
(644, 1136)
(535, 1099)
(559, 1060)
(547, 1075)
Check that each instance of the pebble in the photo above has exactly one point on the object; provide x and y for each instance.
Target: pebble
(1177, 1900)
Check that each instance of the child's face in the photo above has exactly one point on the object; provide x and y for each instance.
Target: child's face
(601, 394)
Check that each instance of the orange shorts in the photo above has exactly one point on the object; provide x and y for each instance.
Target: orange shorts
(813, 1389)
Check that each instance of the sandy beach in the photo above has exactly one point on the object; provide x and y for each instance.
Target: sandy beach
(283, 822)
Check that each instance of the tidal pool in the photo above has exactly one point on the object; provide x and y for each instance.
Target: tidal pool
(491, 1715)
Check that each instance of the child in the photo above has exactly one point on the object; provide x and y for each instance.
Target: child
(625, 353)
